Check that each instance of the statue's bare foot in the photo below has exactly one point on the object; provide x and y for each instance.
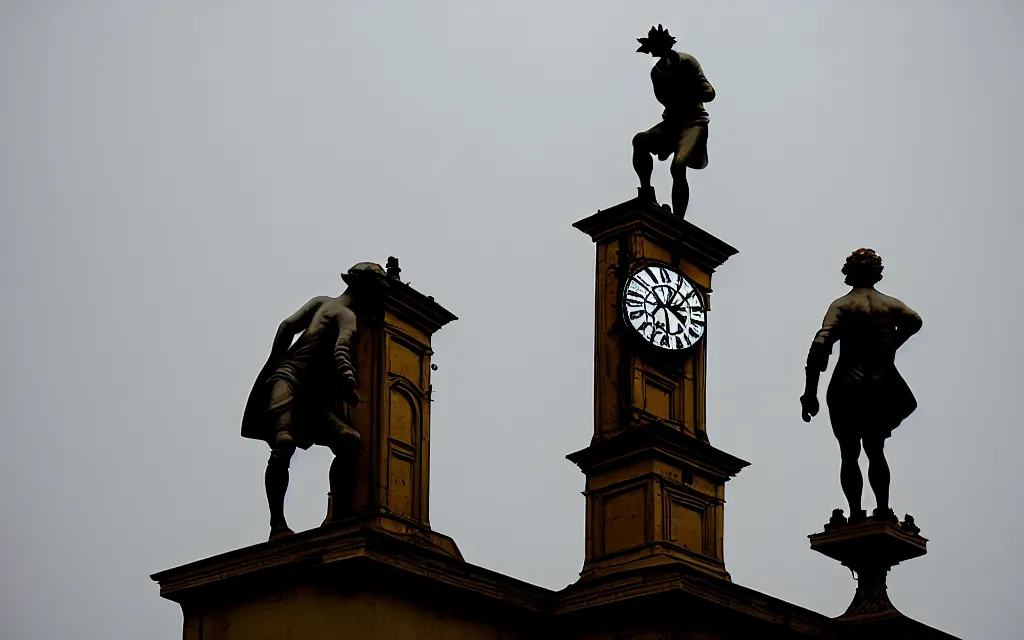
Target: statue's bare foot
(280, 531)
(858, 516)
(885, 515)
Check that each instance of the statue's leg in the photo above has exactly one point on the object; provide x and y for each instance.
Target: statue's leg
(691, 140)
(343, 480)
(346, 445)
(878, 472)
(276, 481)
(680, 189)
(850, 477)
(644, 144)
(276, 477)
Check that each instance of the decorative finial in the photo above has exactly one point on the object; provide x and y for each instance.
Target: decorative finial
(837, 519)
(393, 269)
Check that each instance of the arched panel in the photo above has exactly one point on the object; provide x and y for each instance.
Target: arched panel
(403, 429)
(403, 412)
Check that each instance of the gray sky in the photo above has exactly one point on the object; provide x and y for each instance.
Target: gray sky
(177, 177)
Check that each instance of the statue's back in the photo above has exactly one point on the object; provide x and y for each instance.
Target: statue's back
(868, 322)
(867, 325)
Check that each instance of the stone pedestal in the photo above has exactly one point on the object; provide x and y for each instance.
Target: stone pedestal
(368, 577)
(870, 549)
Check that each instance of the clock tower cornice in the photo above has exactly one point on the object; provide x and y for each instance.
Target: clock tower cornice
(640, 216)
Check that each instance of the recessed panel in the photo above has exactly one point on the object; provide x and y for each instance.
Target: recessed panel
(686, 526)
(658, 399)
(404, 361)
(402, 416)
(400, 484)
(624, 524)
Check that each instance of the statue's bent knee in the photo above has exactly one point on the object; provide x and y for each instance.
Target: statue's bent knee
(281, 456)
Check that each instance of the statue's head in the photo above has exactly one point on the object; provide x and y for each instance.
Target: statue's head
(863, 268)
(366, 279)
(658, 42)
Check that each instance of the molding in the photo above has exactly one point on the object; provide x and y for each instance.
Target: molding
(660, 440)
(417, 309)
(694, 244)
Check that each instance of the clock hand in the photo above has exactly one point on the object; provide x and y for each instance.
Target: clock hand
(661, 303)
(675, 311)
(676, 292)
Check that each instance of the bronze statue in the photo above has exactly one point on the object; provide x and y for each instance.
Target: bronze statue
(304, 392)
(680, 86)
(867, 398)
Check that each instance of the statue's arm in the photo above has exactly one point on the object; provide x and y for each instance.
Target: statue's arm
(707, 92)
(295, 323)
(907, 324)
(817, 358)
(703, 89)
(821, 346)
(343, 359)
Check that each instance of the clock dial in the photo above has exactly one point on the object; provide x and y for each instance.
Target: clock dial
(663, 307)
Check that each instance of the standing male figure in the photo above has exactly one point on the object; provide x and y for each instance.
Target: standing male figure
(303, 394)
(680, 86)
(867, 397)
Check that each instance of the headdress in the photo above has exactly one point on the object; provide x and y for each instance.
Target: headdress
(658, 38)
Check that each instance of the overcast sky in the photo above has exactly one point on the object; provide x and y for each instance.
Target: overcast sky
(177, 177)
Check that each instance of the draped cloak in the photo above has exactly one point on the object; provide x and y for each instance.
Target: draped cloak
(310, 367)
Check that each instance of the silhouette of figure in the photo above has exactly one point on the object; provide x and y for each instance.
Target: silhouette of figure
(867, 397)
(303, 394)
(680, 86)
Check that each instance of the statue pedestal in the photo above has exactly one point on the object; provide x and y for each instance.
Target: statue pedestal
(373, 577)
(871, 548)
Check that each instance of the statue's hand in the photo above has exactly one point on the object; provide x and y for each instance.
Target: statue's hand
(809, 407)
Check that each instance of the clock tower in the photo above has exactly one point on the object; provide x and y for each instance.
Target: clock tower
(655, 486)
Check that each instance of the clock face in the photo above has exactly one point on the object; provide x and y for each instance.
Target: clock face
(663, 307)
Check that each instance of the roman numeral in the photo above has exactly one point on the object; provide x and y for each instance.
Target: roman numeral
(664, 340)
(679, 343)
(666, 276)
(636, 280)
(693, 332)
(650, 274)
(633, 315)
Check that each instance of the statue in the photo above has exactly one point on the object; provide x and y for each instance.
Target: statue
(867, 398)
(304, 392)
(680, 86)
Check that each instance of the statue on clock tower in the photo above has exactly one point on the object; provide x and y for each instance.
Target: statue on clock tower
(867, 397)
(680, 86)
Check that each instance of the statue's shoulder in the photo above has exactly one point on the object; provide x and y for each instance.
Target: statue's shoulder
(841, 303)
(687, 59)
(335, 309)
(883, 300)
